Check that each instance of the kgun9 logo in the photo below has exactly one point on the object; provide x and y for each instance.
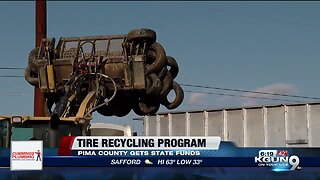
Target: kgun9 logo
(278, 159)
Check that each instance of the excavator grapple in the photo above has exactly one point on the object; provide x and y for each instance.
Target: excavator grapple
(111, 74)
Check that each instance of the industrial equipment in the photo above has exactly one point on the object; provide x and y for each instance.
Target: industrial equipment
(111, 74)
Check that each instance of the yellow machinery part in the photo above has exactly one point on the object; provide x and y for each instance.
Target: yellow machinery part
(50, 76)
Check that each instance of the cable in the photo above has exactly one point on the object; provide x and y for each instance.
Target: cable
(14, 94)
(9, 76)
(106, 101)
(12, 68)
(248, 91)
(199, 86)
(234, 95)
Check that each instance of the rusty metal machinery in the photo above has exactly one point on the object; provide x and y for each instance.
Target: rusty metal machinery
(109, 74)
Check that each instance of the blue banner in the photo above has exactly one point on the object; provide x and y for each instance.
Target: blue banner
(228, 155)
(92, 161)
(227, 162)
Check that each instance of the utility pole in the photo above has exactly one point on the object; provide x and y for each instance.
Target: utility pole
(41, 32)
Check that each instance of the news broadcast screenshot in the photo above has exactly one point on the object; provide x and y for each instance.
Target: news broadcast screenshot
(159, 90)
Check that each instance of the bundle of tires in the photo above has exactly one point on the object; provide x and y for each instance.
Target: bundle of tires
(161, 70)
(31, 72)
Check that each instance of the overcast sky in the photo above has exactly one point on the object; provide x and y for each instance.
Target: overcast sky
(263, 46)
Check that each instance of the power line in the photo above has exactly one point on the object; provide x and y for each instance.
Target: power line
(199, 86)
(248, 91)
(11, 76)
(234, 95)
(15, 93)
(12, 68)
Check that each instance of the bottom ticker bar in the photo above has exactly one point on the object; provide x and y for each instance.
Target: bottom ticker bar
(94, 161)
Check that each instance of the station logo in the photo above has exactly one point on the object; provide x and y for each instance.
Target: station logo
(26, 155)
(278, 160)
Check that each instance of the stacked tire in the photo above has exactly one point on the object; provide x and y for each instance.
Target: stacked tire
(161, 70)
(31, 72)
